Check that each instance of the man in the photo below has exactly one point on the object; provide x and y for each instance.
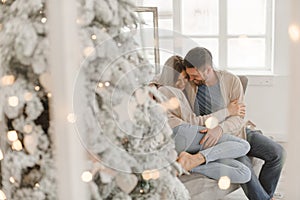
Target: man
(211, 90)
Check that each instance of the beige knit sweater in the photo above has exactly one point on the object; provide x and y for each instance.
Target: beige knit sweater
(183, 113)
(231, 89)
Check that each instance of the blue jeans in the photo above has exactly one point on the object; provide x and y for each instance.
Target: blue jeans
(219, 158)
(263, 187)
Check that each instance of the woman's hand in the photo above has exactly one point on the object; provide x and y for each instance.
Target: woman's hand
(236, 108)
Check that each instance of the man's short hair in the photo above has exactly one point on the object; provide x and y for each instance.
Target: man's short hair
(198, 57)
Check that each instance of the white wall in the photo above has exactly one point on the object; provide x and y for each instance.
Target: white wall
(267, 106)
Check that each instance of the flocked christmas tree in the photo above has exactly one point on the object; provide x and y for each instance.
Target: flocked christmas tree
(27, 169)
(128, 137)
(131, 156)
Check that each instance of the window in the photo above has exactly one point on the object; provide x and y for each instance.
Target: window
(238, 33)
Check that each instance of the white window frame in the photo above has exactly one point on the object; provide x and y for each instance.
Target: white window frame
(223, 37)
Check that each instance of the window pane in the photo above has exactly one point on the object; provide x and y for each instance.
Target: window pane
(246, 17)
(200, 17)
(246, 53)
(165, 24)
(166, 50)
(209, 43)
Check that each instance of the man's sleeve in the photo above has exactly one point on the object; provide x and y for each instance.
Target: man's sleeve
(233, 124)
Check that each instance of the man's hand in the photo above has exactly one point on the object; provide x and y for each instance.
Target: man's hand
(211, 137)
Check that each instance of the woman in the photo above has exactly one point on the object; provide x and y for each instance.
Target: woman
(188, 129)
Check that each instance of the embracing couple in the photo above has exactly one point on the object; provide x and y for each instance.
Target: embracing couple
(203, 92)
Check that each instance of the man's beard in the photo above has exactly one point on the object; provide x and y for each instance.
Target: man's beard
(201, 82)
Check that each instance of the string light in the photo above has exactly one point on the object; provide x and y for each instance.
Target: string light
(211, 122)
(86, 176)
(147, 175)
(3, 1)
(155, 174)
(79, 21)
(49, 95)
(171, 104)
(37, 185)
(94, 37)
(27, 96)
(8, 79)
(44, 20)
(12, 180)
(119, 44)
(100, 84)
(141, 191)
(13, 101)
(88, 51)
(17, 145)
(224, 182)
(150, 174)
(27, 128)
(1, 155)
(71, 118)
(37, 88)
(107, 83)
(294, 32)
(12, 135)
(2, 195)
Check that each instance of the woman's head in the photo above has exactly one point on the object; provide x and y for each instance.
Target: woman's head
(173, 73)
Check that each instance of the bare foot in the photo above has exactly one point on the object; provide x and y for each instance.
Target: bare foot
(189, 161)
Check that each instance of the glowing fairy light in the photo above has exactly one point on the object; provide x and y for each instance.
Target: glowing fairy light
(27, 128)
(17, 145)
(28, 96)
(86, 176)
(44, 20)
(71, 118)
(107, 83)
(94, 37)
(224, 183)
(8, 79)
(37, 88)
(100, 85)
(12, 135)
(150, 174)
(37, 185)
(171, 104)
(294, 32)
(2, 195)
(49, 95)
(13, 101)
(88, 51)
(12, 180)
(147, 175)
(1, 155)
(155, 174)
(211, 122)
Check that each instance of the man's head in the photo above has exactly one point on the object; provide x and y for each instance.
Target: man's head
(198, 63)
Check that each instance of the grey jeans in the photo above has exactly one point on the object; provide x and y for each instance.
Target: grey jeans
(219, 158)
